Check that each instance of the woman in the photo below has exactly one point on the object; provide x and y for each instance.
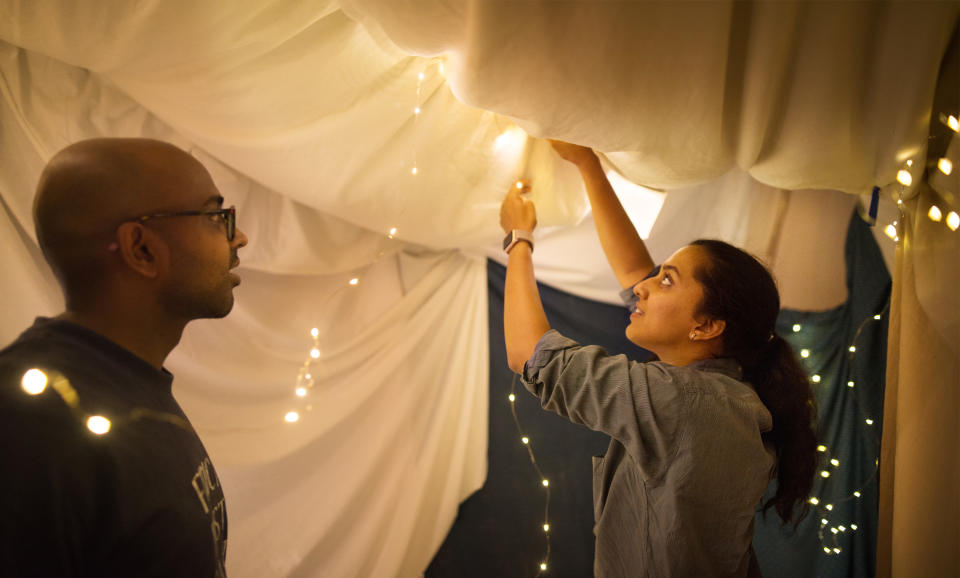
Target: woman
(696, 435)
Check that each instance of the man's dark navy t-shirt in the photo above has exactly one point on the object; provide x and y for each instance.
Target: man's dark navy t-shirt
(141, 499)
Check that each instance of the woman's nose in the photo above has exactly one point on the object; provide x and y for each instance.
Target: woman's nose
(640, 290)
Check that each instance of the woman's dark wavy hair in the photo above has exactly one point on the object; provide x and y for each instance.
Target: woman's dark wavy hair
(738, 289)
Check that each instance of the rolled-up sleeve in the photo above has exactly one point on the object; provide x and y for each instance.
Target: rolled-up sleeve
(637, 404)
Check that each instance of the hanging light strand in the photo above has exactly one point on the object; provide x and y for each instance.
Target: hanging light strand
(544, 481)
(829, 532)
(305, 380)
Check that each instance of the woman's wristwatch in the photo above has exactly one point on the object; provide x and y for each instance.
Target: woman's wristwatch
(516, 236)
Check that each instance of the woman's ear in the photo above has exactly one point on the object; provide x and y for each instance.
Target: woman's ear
(710, 328)
(139, 248)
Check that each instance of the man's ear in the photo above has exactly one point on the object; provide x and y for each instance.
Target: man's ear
(710, 328)
(140, 248)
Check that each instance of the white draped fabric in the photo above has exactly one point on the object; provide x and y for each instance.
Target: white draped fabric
(304, 112)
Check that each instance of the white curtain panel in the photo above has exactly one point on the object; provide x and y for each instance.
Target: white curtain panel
(311, 116)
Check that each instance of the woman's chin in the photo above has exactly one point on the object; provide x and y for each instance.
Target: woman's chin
(633, 337)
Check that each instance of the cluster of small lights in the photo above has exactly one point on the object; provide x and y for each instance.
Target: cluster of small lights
(525, 440)
(934, 212)
(829, 534)
(36, 382)
(305, 379)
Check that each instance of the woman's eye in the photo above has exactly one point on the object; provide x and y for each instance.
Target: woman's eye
(666, 281)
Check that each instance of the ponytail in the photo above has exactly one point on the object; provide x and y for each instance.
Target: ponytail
(783, 387)
(738, 289)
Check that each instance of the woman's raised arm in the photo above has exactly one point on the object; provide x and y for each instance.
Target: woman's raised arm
(625, 250)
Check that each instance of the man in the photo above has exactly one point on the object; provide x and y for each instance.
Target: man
(103, 473)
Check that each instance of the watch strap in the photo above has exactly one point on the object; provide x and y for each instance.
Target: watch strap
(516, 236)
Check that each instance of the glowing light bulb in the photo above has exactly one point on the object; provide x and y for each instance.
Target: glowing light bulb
(904, 177)
(852, 349)
(824, 474)
(891, 231)
(301, 392)
(354, 281)
(953, 123)
(314, 332)
(814, 501)
(512, 397)
(546, 527)
(833, 530)
(291, 417)
(910, 162)
(543, 565)
(392, 233)
(823, 522)
(413, 171)
(837, 550)
(420, 76)
(934, 213)
(849, 384)
(804, 353)
(857, 495)
(853, 526)
(98, 424)
(797, 328)
(945, 166)
(953, 220)
(829, 506)
(308, 376)
(34, 381)
(842, 528)
(315, 353)
(519, 185)
(877, 317)
(827, 550)
(869, 421)
(546, 483)
(821, 448)
(835, 462)
(510, 142)
(815, 378)
(525, 439)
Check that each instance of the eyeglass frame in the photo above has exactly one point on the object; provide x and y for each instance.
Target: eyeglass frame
(229, 216)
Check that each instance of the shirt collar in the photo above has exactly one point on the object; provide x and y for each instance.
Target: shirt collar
(725, 365)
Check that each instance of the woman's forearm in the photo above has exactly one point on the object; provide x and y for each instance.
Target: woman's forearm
(524, 320)
(625, 250)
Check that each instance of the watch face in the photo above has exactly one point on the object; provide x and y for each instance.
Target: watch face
(507, 240)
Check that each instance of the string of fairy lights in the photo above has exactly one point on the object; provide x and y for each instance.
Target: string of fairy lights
(36, 381)
(305, 380)
(832, 529)
(938, 211)
(525, 440)
(831, 525)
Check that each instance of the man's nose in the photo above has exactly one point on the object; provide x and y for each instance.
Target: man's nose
(240, 238)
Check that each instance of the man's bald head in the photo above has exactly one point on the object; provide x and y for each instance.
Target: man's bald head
(91, 187)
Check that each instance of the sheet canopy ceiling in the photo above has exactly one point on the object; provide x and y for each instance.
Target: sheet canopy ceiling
(306, 115)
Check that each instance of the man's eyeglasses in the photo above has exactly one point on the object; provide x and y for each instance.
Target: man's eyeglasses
(227, 216)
